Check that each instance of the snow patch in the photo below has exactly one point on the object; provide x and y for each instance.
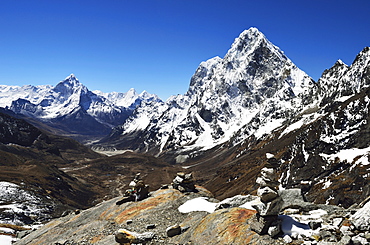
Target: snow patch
(269, 155)
(197, 204)
(6, 240)
(349, 155)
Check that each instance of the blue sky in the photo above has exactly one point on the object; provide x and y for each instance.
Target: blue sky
(156, 45)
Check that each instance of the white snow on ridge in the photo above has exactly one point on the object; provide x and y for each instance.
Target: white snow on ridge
(68, 96)
(348, 155)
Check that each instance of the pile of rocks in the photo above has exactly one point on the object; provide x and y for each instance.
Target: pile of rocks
(266, 220)
(184, 182)
(138, 191)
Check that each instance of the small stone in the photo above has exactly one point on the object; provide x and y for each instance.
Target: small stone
(275, 228)
(267, 194)
(183, 229)
(260, 224)
(314, 225)
(22, 234)
(327, 236)
(65, 213)
(151, 226)
(287, 239)
(346, 240)
(61, 242)
(123, 236)
(265, 182)
(269, 173)
(173, 230)
(188, 177)
(181, 175)
(270, 208)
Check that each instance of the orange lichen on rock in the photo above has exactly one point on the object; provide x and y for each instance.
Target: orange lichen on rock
(161, 198)
(96, 239)
(226, 226)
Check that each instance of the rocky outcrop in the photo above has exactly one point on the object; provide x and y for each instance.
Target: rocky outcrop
(361, 219)
(99, 224)
(157, 220)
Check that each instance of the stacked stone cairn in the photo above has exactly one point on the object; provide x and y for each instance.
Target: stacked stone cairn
(184, 182)
(138, 191)
(266, 220)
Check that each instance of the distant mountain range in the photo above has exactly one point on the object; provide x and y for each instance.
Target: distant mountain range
(71, 108)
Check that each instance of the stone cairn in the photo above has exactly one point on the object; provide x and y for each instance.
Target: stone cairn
(184, 182)
(138, 191)
(266, 220)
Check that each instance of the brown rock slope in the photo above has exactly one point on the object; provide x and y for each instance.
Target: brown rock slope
(98, 224)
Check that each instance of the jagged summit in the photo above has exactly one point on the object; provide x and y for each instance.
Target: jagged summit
(69, 86)
(71, 77)
(248, 84)
(254, 89)
(72, 80)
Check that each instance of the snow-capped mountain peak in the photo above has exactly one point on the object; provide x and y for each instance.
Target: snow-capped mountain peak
(69, 86)
(246, 86)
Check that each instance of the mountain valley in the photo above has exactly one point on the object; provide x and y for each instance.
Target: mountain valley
(241, 112)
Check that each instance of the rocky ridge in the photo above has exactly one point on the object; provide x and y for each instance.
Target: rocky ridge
(169, 216)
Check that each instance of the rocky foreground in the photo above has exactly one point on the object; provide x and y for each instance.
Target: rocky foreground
(171, 216)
